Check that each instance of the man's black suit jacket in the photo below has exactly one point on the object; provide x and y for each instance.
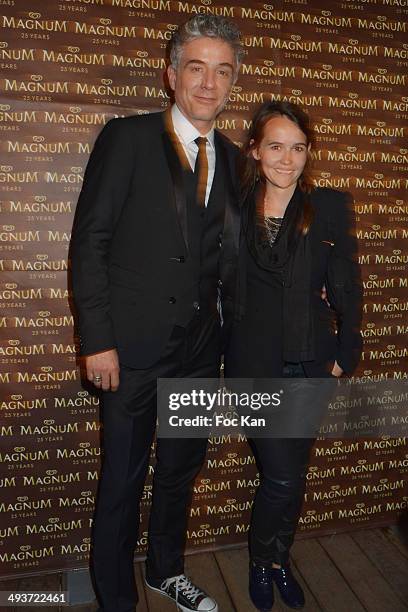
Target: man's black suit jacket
(129, 250)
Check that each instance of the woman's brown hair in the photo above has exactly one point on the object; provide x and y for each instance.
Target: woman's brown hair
(249, 167)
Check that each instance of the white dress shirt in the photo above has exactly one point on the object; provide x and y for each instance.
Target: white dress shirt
(187, 133)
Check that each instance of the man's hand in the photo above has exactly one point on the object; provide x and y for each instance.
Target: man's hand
(102, 369)
(337, 371)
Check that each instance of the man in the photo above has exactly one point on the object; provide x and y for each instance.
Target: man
(154, 249)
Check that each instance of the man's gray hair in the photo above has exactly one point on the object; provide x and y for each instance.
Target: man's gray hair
(211, 26)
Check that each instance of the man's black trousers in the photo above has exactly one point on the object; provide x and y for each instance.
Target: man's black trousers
(129, 419)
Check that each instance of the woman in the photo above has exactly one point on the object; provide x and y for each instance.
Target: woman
(298, 316)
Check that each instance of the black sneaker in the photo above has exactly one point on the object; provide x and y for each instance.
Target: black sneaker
(185, 594)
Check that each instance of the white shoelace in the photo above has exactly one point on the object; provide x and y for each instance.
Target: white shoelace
(184, 585)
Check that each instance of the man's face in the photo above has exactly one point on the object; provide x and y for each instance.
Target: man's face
(203, 79)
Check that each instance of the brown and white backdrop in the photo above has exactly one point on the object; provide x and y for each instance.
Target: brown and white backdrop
(66, 68)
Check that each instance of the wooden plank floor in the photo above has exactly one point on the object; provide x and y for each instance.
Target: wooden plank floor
(353, 572)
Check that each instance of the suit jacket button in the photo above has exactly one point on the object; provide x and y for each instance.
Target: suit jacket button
(196, 306)
(172, 300)
(182, 259)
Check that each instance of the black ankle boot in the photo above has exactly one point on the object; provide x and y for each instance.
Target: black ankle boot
(290, 590)
(261, 586)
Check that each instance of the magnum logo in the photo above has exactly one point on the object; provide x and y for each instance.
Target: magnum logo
(54, 526)
(360, 510)
(103, 59)
(48, 427)
(232, 461)
(298, 97)
(80, 550)
(40, 205)
(373, 332)
(35, 23)
(397, 257)
(104, 28)
(231, 507)
(73, 56)
(14, 348)
(37, 86)
(12, 236)
(83, 451)
(267, 15)
(316, 473)
(353, 48)
(17, 402)
(8, 175)
(27, 553)
(51, 478)
(72, 116)
(352, 102)
(268, 70)
(81, 400)
(7, 482)
(205, 8)
(19, 455)
(385, 442)
(334, 494)
(248, 483)
(393, 306)
(314, 518)
(84, 500)
(38, 146)
(206, 486)
(382, 488)
(44, 319)
(40, 264)
(376, 233)
(338, 448)
(73, 177)
(156, 5)
(140, 61)
(207, 531)
(296, 43)
(11, 292)
(46, 375)
(361, 467)
(326, 19)
(25, 55)
(23, 504)
(107, 88)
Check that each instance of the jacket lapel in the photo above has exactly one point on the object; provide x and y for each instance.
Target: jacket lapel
(176, 159)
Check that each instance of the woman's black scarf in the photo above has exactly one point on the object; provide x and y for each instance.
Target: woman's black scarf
(289, 258)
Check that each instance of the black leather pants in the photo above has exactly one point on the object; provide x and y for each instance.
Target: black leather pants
(282, 467)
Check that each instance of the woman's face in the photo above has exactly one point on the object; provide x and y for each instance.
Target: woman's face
(282, 152)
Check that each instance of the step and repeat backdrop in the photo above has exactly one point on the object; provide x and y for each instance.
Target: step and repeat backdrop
(68, 67)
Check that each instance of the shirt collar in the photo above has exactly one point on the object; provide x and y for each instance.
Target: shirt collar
(186, 130)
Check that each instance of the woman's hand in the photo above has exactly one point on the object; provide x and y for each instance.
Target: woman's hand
(336, 371)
